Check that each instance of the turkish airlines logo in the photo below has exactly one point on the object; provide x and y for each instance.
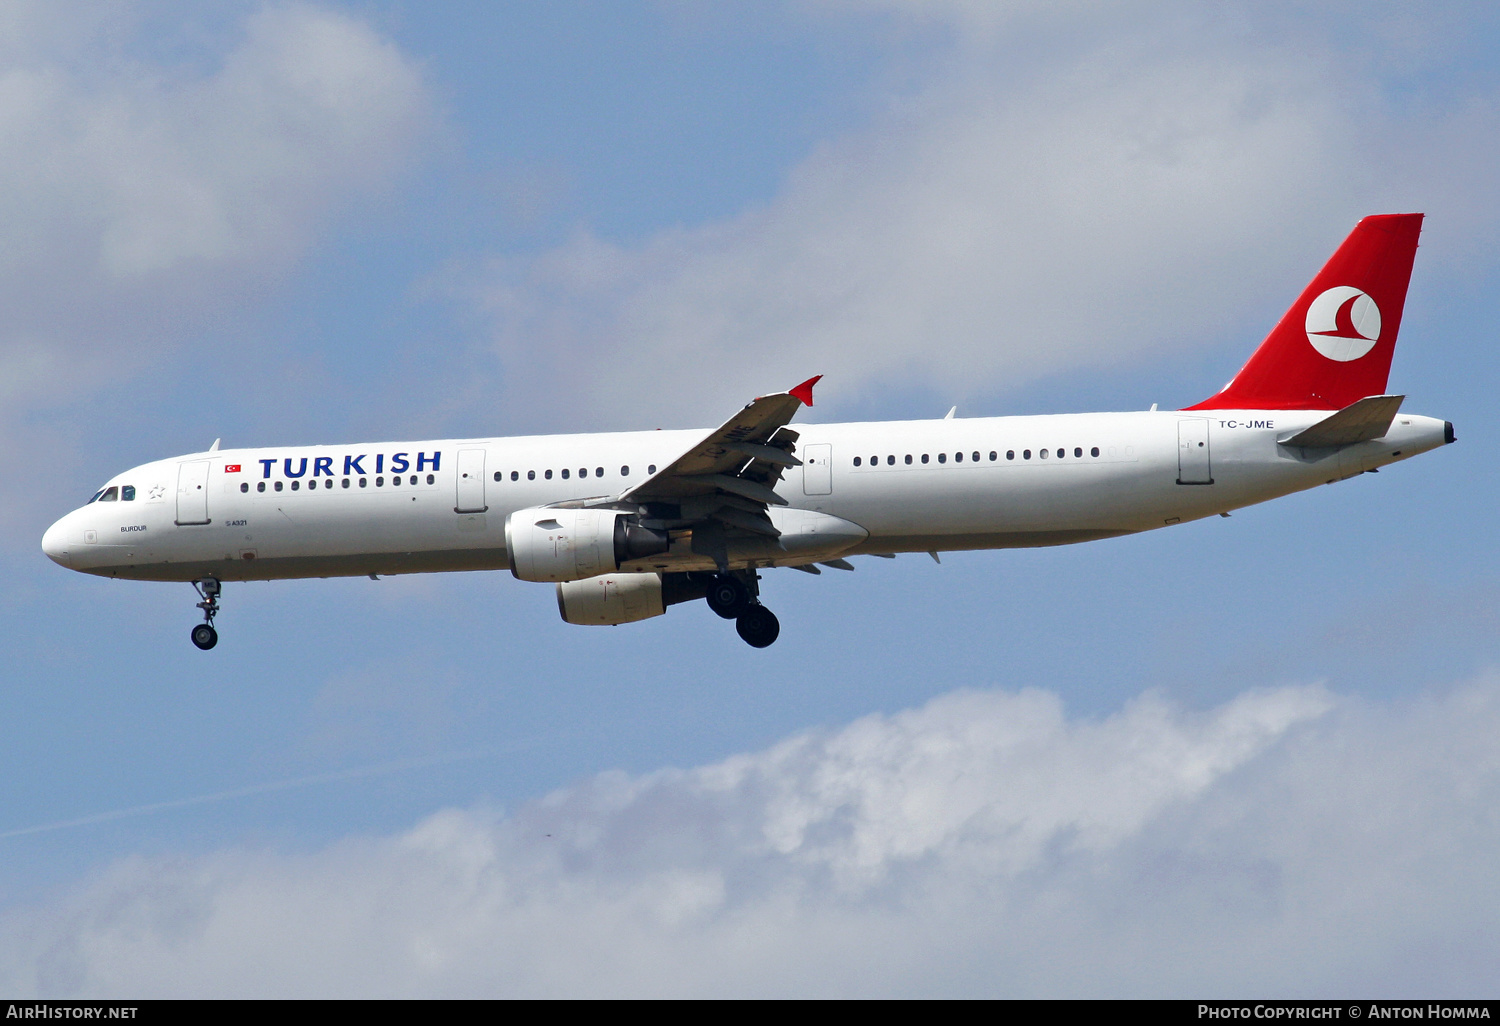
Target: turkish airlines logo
(1343, 323)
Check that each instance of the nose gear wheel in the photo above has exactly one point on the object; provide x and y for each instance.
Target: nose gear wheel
(204, 635)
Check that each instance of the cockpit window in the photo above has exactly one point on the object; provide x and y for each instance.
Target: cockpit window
(110, 494)
(96, 496)
(127, 493)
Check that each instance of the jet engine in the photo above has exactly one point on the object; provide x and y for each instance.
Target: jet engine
(611, 599)
(548, 544)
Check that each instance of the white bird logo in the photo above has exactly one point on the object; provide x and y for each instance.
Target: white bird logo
(1343, 323)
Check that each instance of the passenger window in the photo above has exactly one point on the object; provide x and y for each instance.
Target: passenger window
(583, 471)
(346, 482)
(127, 493)
(598, 471)
(363, 482)
(431, 479)
(1094, 451)
(110, 495)
(564, 473)
(976, 457)
(1044, 454)
(1025, 454)
(958, 457)
(1077, 451)
(924, 457)
(624, 471)
(278, 486)
(499, 476)
(260, 486)
(515, 475)
(856, 461)
(1010, 454)
(380, 482)
(547, 474)
(295, 485)
(651, 469)
(890, 461)
(942, 457)
(244, 486)
(397, 480)
(531, 475)
(908, 459)
(994, 455)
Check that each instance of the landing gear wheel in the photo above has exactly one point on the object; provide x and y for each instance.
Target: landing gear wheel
(204, 635)
(758, 626)
(728, 596)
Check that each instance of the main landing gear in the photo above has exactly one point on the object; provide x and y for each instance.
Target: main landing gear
(204, 635)
(736, 596)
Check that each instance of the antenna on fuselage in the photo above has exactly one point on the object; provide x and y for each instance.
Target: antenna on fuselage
(215, 446)
(951, 413)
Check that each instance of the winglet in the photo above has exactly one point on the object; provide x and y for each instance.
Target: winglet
(804, 390)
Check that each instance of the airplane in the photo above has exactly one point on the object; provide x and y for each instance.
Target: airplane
(628, 524)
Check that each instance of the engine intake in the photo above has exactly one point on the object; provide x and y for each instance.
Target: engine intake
(546, 544)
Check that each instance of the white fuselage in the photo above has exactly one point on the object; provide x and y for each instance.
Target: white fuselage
(389, 508)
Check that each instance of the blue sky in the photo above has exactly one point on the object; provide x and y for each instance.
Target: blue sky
(1263, 746)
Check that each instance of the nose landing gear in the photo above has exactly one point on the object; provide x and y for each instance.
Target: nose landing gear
(204, 635)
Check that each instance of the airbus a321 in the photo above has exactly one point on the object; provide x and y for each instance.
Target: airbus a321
(626, 524)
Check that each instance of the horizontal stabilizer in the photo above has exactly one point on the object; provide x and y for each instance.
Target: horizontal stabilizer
(1362, 421)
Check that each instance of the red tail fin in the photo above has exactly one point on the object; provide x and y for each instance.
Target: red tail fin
(1334, 346)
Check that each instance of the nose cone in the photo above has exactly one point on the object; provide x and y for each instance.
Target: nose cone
(55, 545)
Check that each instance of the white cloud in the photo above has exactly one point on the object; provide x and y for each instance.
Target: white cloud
(137, 196)
(1044, 202)
(1287, 842)
(145, 202)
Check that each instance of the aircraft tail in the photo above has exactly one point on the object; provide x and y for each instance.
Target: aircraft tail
(1334, 346)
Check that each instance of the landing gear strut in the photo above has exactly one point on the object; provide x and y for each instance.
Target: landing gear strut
(204, 635)
(736, 596)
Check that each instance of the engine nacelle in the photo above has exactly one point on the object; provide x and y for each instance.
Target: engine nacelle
(611, 599)
(546, 544)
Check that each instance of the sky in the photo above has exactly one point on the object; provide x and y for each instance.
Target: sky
(1251, 756)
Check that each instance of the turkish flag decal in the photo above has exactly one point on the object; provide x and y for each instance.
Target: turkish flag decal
(231, 468)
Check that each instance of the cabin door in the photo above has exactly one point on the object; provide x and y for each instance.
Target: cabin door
(192, 492)
(470, 482)
(1193, 467)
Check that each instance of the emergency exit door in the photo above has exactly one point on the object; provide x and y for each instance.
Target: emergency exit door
(817, 469)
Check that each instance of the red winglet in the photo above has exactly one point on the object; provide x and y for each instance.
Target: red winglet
(804, 390)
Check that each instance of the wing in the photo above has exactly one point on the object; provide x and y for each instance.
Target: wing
(729, 479)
